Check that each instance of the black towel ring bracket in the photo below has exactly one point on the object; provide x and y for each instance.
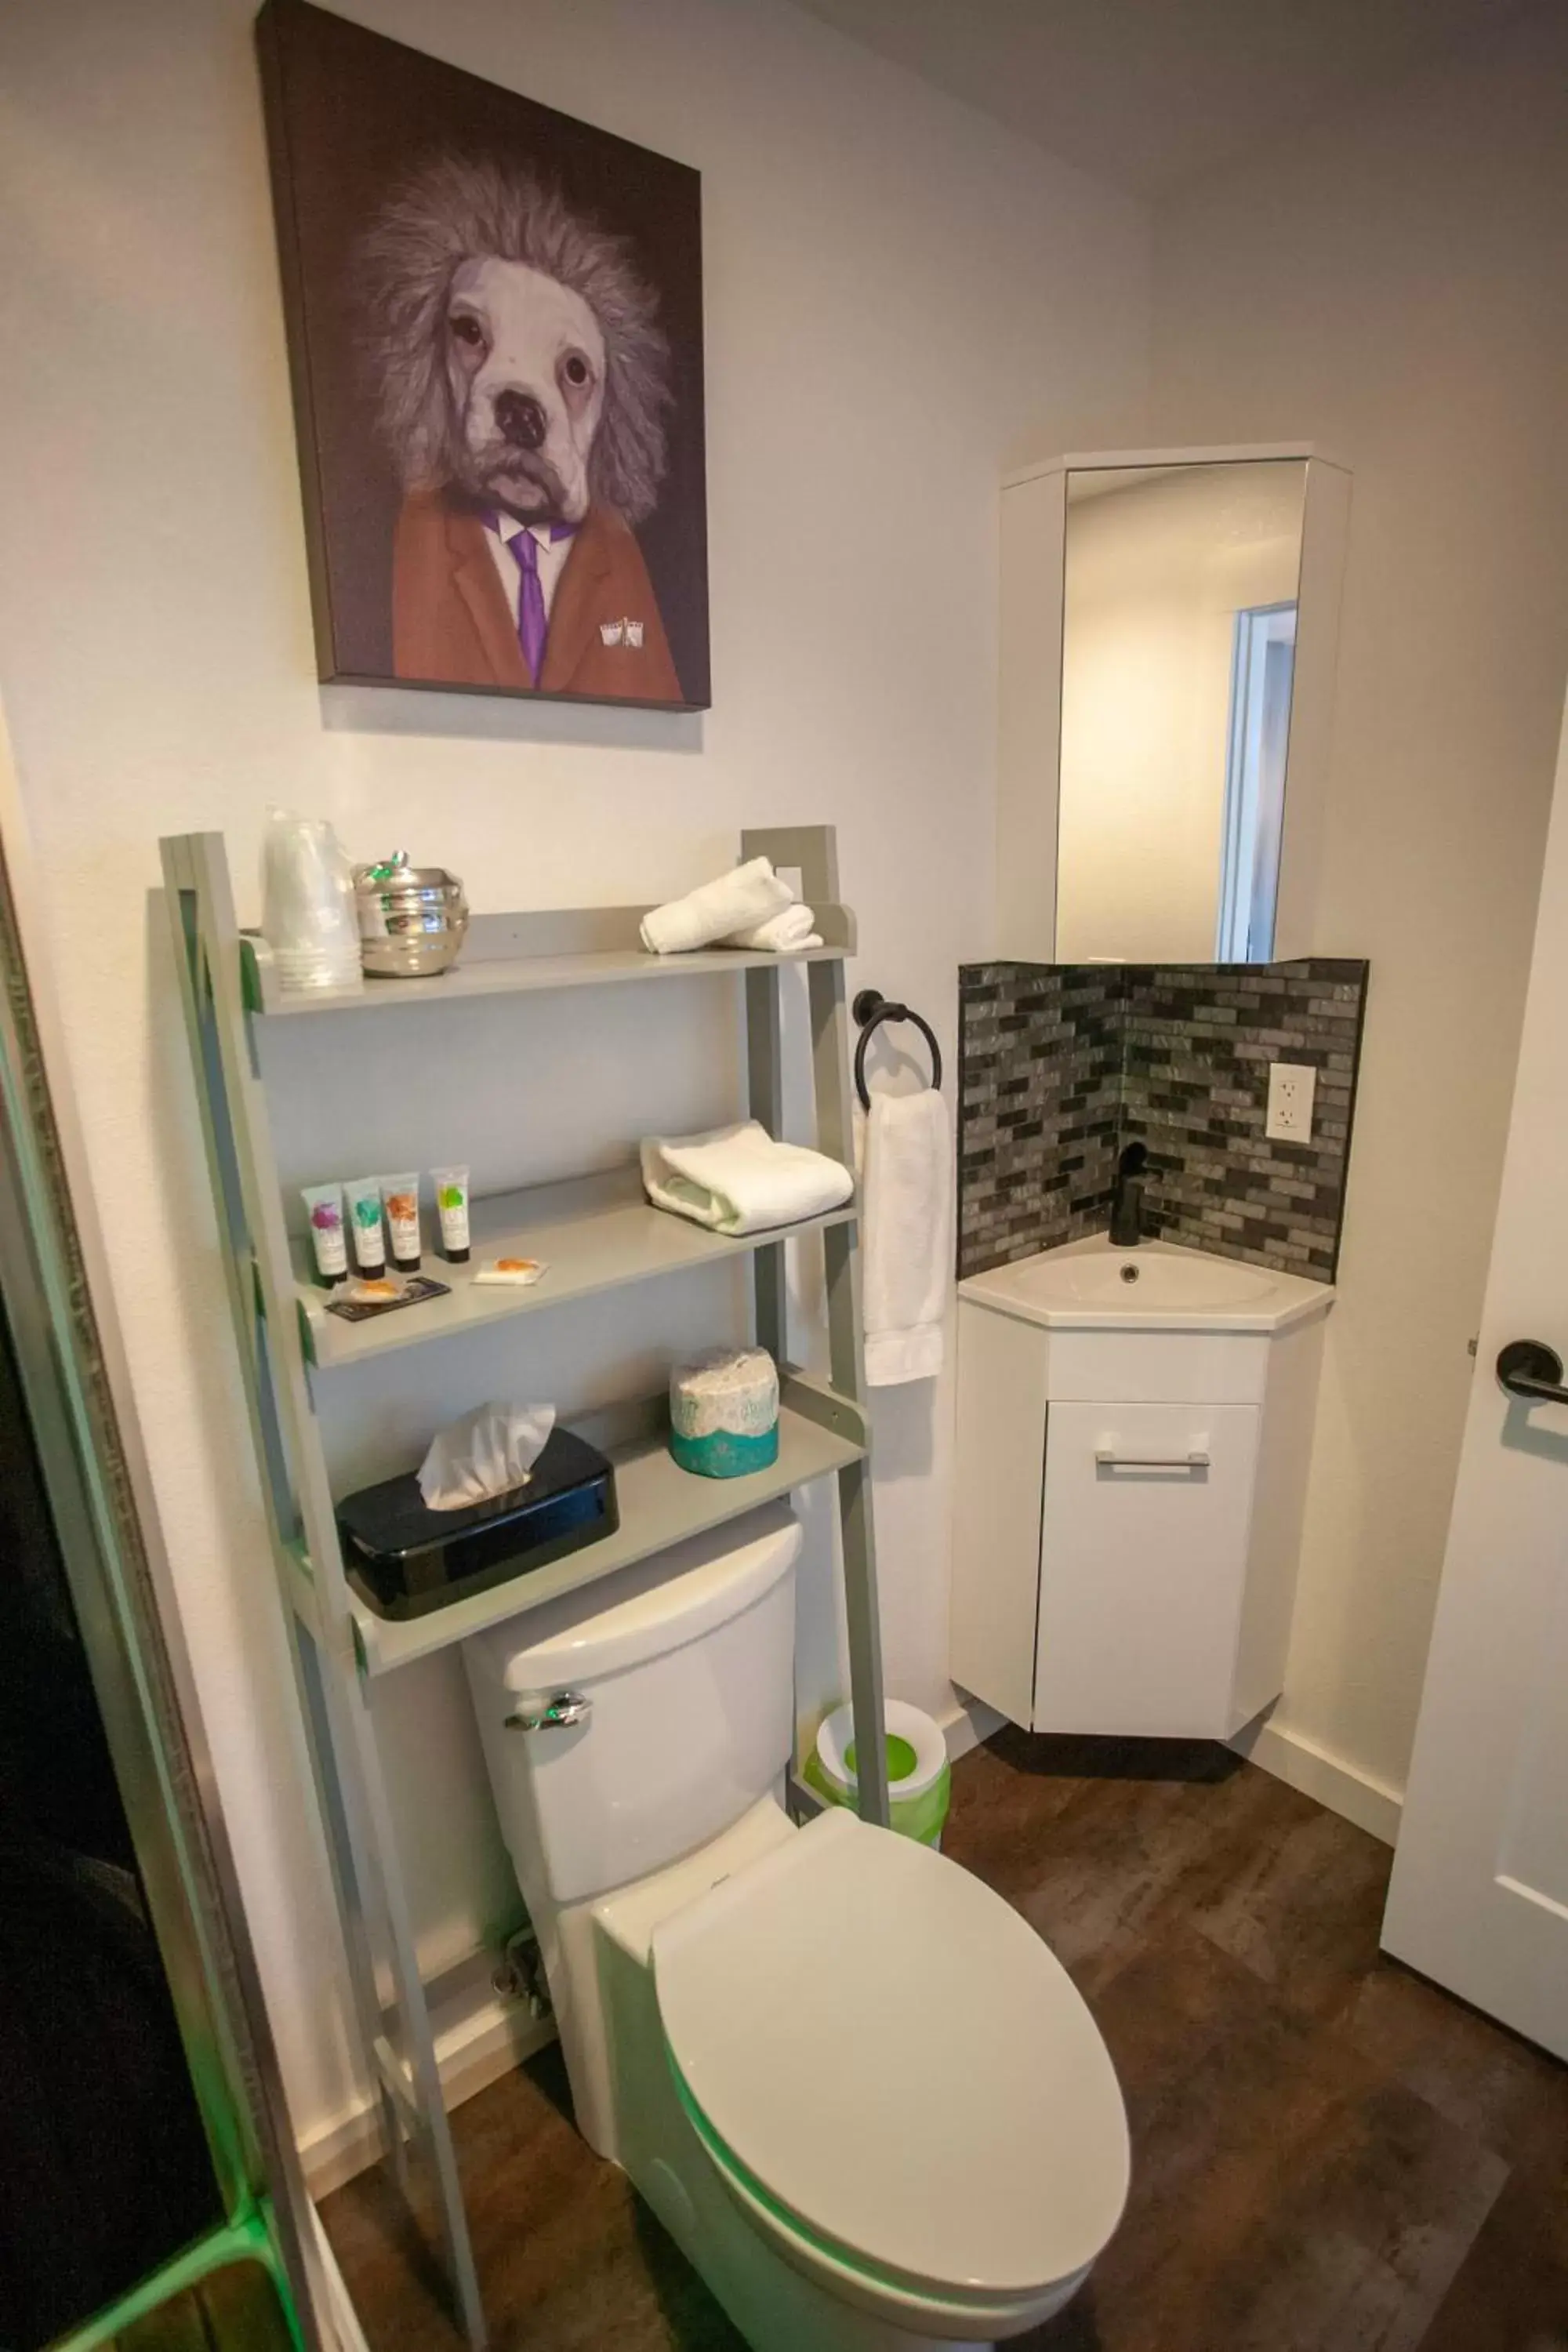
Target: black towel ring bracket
(870, 1009)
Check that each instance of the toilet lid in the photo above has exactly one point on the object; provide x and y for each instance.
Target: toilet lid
(895, 2058)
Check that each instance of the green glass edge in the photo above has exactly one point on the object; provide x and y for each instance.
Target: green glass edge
(213, 2060)
(248, 2238)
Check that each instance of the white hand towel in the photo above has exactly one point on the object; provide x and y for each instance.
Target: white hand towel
(905, 1148)
(731, 903)
(789, 933)
(739, 1181)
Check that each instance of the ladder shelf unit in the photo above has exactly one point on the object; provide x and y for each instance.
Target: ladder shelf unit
(598, 1235)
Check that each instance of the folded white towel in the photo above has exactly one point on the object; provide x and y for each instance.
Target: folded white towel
(905, 1151)
(789, 933)
(739, 1181)
(733, 902)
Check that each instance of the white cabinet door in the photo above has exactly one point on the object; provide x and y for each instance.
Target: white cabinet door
(1143, 1545)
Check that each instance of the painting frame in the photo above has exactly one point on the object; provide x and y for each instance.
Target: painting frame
(493, 314)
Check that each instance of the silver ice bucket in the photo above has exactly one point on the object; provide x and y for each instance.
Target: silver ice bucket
(413, 919)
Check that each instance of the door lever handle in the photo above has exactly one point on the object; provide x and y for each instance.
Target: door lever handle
(1529, 1369)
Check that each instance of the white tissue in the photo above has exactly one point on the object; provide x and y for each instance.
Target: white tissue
(487, 1452)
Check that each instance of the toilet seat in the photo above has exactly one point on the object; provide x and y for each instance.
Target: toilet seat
(896, 2075)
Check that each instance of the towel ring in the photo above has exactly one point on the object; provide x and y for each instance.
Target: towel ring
(870, 1009)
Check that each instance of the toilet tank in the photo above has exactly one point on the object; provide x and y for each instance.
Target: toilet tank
(685, 1663)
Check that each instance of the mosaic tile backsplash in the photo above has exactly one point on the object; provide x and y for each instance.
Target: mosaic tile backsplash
(1062, 1065)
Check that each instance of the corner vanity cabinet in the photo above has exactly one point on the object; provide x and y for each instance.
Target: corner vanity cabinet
(1133, 1452)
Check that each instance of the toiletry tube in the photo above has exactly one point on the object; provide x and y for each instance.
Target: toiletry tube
(400, 1199)
(363, 1196)
(324, 1208)
(452, 1202)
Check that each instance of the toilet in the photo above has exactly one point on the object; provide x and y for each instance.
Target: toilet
(859, 2091)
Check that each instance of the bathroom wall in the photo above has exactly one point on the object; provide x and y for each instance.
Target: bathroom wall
(899, 295)
(1063, 1066)
(1395, 284)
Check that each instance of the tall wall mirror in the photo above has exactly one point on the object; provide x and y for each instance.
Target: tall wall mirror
(1158, 788)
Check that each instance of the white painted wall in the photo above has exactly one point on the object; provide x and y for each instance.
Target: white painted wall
(898, 294)
(1395, 285)
(1157, 571)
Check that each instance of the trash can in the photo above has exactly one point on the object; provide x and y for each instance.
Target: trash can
(919, 1782)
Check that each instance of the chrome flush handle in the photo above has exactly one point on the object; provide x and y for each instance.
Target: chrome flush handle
(560, 1711)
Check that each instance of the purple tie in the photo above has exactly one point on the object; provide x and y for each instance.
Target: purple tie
(532, 622)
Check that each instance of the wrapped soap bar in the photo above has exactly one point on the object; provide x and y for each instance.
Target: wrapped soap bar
(522, 1272)
(724, 1412)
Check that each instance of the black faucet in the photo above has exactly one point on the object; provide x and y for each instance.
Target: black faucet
(1127, 1198)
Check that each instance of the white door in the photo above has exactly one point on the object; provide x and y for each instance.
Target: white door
(1480, 1896)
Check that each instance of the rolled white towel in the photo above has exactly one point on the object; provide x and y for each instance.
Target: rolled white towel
(789, 933)
(739, 1181)
(732, 902)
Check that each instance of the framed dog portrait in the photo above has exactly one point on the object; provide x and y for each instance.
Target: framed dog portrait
(495, 328)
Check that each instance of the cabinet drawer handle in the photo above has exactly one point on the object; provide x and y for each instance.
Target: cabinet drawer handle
(1108, 1459)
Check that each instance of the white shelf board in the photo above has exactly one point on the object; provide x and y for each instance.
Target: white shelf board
(504, 975)
(594, 1234)
(660, 1504)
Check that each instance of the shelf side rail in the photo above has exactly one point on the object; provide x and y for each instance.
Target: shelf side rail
(812, 851)
(335, 1700)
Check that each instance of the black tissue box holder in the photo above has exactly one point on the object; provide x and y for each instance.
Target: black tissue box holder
(406, 1560)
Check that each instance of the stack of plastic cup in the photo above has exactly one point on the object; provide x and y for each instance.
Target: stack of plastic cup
(308, 913)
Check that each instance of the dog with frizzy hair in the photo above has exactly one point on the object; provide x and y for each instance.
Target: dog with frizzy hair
(521, 383)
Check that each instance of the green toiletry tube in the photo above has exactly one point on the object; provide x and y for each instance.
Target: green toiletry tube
(363, 1194)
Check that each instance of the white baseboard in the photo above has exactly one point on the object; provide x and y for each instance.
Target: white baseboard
(490, 2043)
(1371, 1804)
(967, 1724)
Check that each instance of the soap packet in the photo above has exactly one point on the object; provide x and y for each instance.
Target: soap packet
(520, 1273)
(357, 1301)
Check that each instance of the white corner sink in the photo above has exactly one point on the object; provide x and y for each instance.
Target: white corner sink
(1184, 1278)
(1089, 1286)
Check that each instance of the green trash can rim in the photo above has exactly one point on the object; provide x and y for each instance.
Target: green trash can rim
(907, 1727)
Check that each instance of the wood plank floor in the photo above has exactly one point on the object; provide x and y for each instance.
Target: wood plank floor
(1329, 2154)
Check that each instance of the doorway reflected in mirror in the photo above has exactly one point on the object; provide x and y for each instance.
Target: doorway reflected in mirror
(1263, 675)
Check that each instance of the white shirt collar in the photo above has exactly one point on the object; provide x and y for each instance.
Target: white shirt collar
(505, 527)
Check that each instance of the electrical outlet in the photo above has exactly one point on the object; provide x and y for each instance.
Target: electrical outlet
(1291, 1086)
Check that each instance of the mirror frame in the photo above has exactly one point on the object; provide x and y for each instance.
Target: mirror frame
(1028, 764)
